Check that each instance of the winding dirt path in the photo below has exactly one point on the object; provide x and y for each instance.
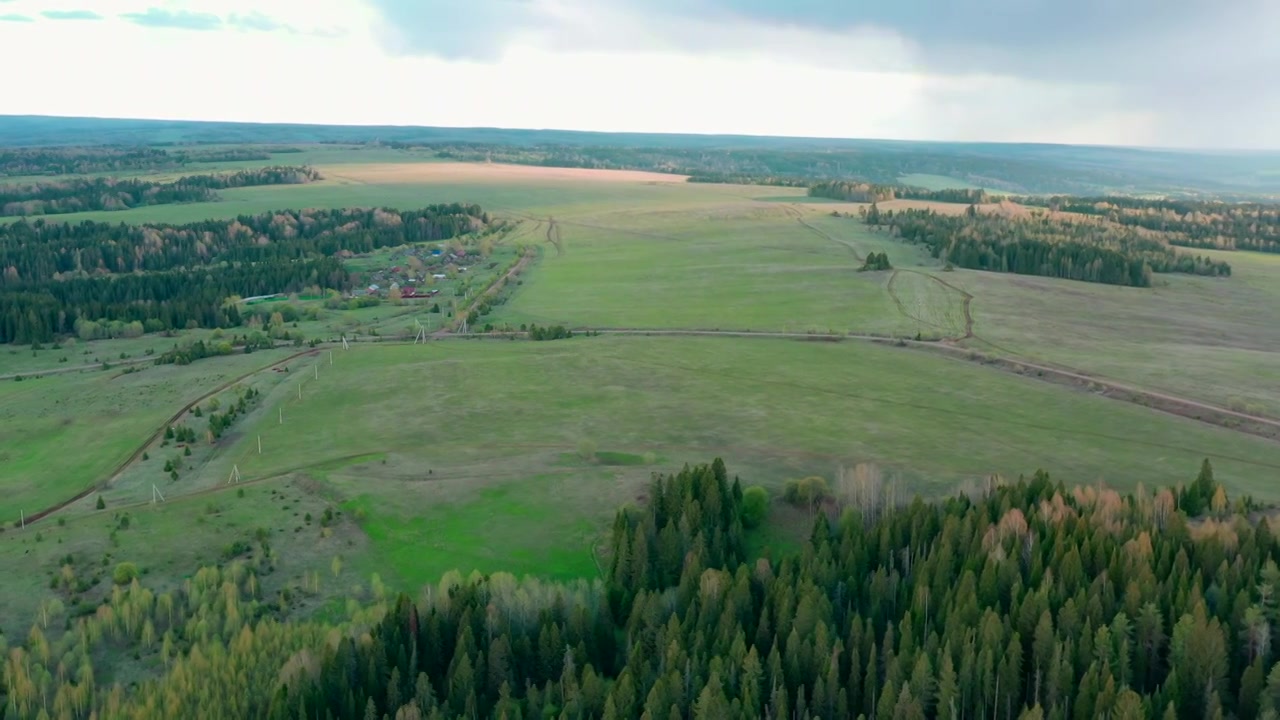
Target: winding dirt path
(966, 300)
(124, 464)
(798, 214)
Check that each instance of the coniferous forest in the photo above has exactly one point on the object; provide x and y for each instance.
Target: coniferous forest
(55, 277)
(82, 194)
(1042, 244)
(1026, 601)
(1030, 602)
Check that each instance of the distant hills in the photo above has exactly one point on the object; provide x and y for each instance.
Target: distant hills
(1018, 167)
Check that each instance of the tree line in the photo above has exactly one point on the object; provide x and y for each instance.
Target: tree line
(1050, 246)
(1191, 223)
(797, 166)
(84, 194)
(862, 192)
(56, 277)
(81, 160)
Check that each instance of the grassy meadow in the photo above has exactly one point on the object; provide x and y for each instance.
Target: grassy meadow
(60, 434)
(494, 455)
(505, 455)
(1209, 339)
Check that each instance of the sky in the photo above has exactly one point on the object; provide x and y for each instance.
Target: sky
(1168, 73)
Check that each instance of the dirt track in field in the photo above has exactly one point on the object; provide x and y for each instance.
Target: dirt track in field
(964, 307)
(156, 435)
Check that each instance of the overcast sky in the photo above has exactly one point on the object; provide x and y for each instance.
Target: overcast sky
(1189, 73)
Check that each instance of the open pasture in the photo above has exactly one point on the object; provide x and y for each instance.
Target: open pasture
(656, 252)
(734, 266)
(1208, 339)
(61, 434)
(462, 454)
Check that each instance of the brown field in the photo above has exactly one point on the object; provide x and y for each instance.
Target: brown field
(464, 172)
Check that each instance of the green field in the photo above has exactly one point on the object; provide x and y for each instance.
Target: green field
(935, 182)
(61, 434)
(466, 455)
(474, 455)
(747, 268)
(1204, 338)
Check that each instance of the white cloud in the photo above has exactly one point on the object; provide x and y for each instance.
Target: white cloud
(566, 66)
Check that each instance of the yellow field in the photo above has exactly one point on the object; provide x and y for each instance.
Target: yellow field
(459, 172)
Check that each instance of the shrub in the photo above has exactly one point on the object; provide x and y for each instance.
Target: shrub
(755, 506)
(124, 573)
(806, 492)
(102, 504)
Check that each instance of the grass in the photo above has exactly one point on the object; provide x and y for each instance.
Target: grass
(1203, 338)
(355, 184)
(463, 455)
(740, 267)
(773, 408)
(70, 353)
(169, 542)
(61, 434)
(936, 308)
(935, 182)
(466, 455)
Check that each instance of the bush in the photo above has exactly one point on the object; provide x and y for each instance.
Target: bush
(235, 549)
(102, 504)
(806, 492)
(755, 506)
(124, 573)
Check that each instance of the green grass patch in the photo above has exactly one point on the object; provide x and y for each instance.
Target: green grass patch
(745, 268)
(609, 457)
(520, 527)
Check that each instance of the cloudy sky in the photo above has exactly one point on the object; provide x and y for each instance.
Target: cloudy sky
(1188, 73)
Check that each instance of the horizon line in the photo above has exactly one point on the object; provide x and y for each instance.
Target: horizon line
(685, 134)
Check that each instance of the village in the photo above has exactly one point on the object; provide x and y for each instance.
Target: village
(413, 271)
